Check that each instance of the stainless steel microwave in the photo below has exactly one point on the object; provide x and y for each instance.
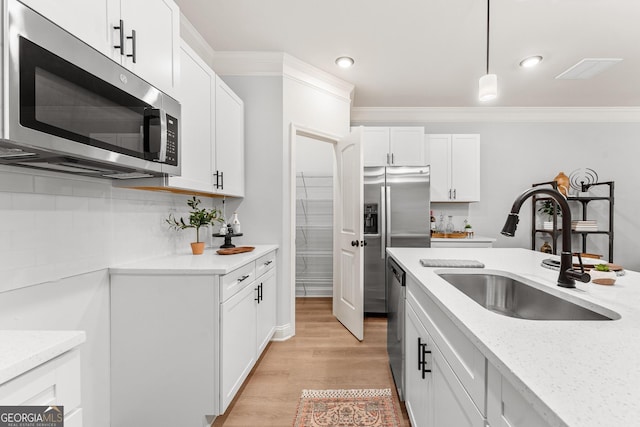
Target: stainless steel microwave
(67, 107)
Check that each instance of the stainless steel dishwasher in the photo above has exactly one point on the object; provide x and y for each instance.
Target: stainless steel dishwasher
(395, 322)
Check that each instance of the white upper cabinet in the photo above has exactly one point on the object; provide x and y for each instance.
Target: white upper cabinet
(212, 131)
(394, 146)
(197, 91)
(155, 23)
(157, 39)
(229, 119)
(455, 167)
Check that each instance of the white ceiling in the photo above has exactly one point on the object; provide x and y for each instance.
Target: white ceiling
(431, 53)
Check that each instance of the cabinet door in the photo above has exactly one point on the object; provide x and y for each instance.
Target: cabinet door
(95, 25)
(196, 98)
(266, 309)
(440, 162)
(506, 407)
(465, 167)
(157, 41)
(229, 140)
(407, 146)
(375, 146)
(452, 406)
(418, 390)
(237, 342)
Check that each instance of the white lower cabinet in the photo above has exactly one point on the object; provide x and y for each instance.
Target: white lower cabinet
(248, 321)
(186, 341)
(434, 396)
(56, 382)
(506, 407)
(238, 320)
(418, 386)
(448, 381)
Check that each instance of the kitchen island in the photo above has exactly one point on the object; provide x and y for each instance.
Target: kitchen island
(572, 373)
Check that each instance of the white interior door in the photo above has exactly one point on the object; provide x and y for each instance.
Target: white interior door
(348, 266)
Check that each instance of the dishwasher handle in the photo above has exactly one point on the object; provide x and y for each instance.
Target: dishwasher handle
(398, 273)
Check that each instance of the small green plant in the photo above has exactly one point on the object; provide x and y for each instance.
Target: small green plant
(467, 225)
(602, 267)
(548, 207)
(198, 217)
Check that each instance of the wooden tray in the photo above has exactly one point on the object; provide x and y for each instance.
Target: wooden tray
(449, 235)
(238, 250)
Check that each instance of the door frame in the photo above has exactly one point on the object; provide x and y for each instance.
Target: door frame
(296, 130)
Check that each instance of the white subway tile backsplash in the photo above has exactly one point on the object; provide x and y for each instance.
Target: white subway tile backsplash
(16, 182)
(51, 185)
(57, 227)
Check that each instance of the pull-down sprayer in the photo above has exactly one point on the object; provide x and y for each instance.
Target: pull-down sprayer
(567, 275)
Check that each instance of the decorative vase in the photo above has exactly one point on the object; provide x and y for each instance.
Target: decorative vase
(197, 248)
(562, 181)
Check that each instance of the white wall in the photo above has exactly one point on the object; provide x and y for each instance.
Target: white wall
(58, 236)
(516, 155)
(272, 104)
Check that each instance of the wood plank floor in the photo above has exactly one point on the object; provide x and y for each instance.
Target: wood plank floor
(322, 355)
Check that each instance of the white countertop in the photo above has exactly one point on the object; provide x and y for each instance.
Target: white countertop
(477, 239)
(21, 351)
(576, 373)
(210, 262)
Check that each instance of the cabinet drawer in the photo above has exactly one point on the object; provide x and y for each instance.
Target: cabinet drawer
(56, 382)
(233, 282)
(466, 361)
(265, 263)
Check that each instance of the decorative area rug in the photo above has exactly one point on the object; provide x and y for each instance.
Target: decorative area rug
(346, 408)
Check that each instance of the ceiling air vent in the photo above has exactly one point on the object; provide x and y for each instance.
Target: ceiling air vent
(588, 68)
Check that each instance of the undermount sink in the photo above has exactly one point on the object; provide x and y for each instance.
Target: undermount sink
(510, 295)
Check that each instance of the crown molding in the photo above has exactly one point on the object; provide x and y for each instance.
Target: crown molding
(280, 64)
(405, 115)
(194, 39)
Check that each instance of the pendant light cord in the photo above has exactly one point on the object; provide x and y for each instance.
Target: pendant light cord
(488, 13)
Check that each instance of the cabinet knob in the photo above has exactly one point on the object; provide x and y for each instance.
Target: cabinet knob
(355, 243)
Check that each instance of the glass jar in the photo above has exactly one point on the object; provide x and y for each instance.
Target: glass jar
(449, 228)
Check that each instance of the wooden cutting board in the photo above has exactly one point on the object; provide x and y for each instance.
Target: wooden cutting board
(238, 250)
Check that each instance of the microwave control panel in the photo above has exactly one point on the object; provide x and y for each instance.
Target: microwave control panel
(172, 141)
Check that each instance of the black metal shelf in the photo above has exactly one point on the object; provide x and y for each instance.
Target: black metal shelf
(584, 201)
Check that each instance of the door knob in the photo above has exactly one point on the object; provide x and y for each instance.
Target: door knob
(355, 243)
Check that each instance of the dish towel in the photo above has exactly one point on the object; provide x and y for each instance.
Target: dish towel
(451, 263)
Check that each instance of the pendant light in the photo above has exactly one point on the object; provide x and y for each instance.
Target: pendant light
(488, 84)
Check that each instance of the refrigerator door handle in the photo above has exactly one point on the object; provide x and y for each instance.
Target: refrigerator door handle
(383, 224)
(388, 215)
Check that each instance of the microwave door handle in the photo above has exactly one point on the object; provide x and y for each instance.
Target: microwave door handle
(162, 155)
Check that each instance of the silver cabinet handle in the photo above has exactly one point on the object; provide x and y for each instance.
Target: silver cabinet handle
(245, 277)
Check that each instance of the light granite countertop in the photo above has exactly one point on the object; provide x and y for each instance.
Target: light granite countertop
(576, 373)
(210, 262)
(21, 351)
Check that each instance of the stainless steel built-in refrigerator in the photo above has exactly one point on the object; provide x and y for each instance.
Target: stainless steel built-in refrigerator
(396, 214)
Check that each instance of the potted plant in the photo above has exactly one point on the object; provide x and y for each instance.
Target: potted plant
(601, 274)
(198, 217)
(548, 207)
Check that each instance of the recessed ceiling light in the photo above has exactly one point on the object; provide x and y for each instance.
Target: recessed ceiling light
(344, 62)
(531, 61)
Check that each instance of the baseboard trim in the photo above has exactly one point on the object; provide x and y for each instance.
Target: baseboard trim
(283, 333)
